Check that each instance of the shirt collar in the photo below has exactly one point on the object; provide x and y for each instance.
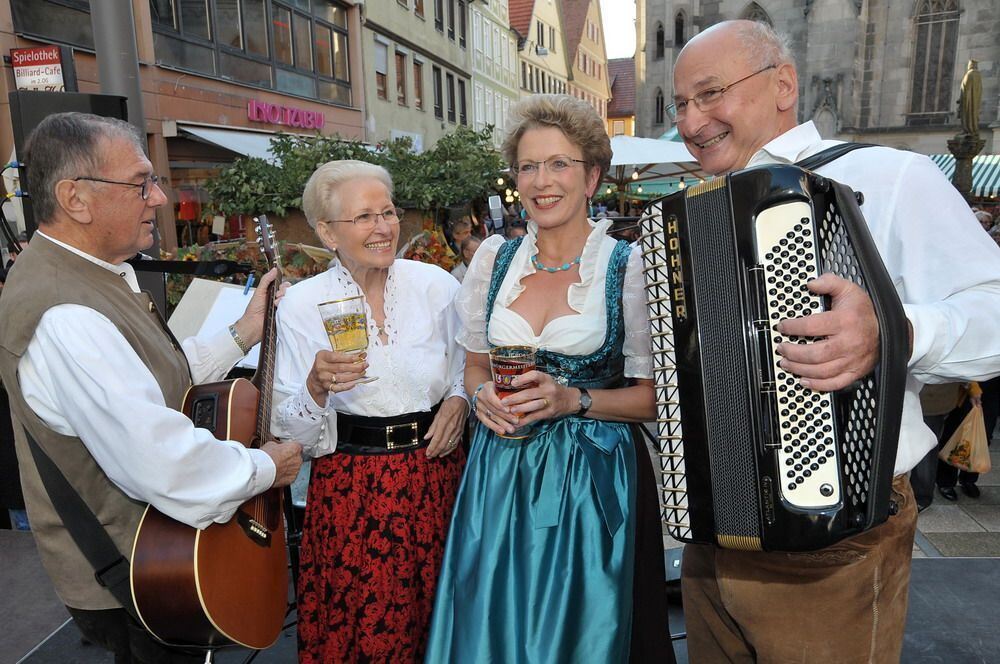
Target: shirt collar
(795, 144)
(124, 270)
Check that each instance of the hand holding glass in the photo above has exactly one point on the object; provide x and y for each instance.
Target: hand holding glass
(347, 326)
(506, 362)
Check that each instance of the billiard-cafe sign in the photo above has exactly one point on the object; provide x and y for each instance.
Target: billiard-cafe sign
(261, 111)
(39, 68)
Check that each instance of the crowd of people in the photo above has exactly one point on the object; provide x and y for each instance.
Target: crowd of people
(435, 529)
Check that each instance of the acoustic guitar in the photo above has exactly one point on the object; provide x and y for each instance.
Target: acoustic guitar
(226, 584)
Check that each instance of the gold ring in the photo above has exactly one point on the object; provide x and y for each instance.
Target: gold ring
(546, 402)
(333, 379)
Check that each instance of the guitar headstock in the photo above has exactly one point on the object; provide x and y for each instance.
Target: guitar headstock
(266, 240)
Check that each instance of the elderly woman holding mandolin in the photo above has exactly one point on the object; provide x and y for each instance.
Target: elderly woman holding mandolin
(370, 380)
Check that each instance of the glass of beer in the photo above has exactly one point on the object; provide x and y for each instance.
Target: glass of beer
(506, 362)
(346, 325)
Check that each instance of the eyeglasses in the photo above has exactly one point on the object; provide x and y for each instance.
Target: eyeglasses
(367, 220)
(707, 99)
(556, 164)
(145, 187)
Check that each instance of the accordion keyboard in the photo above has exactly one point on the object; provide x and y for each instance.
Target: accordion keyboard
(806, 450)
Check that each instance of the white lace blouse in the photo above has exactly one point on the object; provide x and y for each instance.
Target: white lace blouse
(579, 334)
(420, 365)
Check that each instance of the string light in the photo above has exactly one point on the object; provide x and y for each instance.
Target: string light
(508, 192)
(509, 198)
(500, 182)
(639, 190)
(635, 174)
(681, 184)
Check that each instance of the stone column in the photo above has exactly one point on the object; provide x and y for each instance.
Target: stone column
(964, 147)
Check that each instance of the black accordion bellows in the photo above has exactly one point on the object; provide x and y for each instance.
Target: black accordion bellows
(750, 459)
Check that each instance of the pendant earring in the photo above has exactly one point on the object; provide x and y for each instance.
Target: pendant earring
(590, 207)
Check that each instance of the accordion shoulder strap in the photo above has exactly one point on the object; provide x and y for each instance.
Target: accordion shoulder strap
(829, 154)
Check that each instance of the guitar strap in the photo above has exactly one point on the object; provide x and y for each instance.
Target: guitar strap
(111, 569)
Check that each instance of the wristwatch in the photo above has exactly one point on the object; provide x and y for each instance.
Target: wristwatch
(585, 401)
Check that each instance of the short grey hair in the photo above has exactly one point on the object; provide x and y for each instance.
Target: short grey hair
(320, 200)
(762, 45)
(68, 145)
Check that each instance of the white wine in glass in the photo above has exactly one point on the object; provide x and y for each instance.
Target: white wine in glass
(346, 325)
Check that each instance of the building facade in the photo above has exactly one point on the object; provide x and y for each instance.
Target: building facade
(218, 78)
(585, 49)
(621, 107)
(418, 79)
(494, 66)
(869, 70)
(541, 46)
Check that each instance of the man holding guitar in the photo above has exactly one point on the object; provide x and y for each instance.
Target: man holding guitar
(96, 380)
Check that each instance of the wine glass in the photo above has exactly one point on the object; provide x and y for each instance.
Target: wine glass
(346, 325)
(506, 362)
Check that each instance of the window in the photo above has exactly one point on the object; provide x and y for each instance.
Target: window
(461, 23)
(462, 116)
(439, 15)
(450, 78)
(381, 71)
(658, 54)
(438, 109)
(679, 29)
(451, 20)
(619, 128)
(658, 111)
(936, 25)
(552, 39)
(418, 8)
(400, 78)
(273, 44)
(540, 34)
(418, 85)
(524, 75)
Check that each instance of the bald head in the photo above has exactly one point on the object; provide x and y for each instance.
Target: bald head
(735, 90)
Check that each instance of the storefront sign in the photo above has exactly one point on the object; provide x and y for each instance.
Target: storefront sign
(261, 111)
(38, 68)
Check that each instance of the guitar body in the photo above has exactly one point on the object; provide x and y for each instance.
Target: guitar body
(226, 584)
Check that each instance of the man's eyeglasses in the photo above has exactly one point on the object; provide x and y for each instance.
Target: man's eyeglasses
(145, 187)
(556, 164)
(708, 99)
(367, 220)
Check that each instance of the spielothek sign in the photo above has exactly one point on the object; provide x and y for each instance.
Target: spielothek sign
(38, 68)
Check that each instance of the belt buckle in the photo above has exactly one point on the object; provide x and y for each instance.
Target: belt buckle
(392, 445)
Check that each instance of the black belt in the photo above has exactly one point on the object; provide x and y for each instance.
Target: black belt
(357, 434)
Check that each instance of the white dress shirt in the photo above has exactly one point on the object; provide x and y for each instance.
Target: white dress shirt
(83, 379)
(577, 334)
(944, 267)
(419, 366)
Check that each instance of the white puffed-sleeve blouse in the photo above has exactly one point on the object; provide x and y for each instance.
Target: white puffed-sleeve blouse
(419, 366)
(578, 334)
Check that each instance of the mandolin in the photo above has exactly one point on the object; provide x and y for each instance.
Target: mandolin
(226, 584)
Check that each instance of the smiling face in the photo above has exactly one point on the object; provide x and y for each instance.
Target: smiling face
(553, 199)
(122, 224)
(750, 114)
(357, 247)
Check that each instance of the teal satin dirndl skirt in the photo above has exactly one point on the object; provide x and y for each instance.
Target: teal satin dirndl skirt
(540, 554)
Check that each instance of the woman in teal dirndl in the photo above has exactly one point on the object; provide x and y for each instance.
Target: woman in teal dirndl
(554, 552)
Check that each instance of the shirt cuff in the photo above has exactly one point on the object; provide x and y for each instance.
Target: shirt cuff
(264, 471)
(223, 348)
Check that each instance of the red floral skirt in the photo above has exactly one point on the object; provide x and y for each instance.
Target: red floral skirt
(372, 543)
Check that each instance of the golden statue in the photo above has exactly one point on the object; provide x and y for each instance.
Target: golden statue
(969, 100)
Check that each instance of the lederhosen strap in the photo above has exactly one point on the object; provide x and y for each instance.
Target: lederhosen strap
(357, 434)
(829, 154)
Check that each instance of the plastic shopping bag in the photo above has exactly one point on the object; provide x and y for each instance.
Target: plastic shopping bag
(967, 448)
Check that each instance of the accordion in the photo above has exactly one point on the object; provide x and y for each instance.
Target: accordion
(750, 459)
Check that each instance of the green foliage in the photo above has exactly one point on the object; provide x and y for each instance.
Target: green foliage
(459, 168)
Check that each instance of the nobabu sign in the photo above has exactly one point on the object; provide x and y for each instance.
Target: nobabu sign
(38, 68)
(261, 111)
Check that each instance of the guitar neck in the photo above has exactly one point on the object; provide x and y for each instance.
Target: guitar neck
(263, 379)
